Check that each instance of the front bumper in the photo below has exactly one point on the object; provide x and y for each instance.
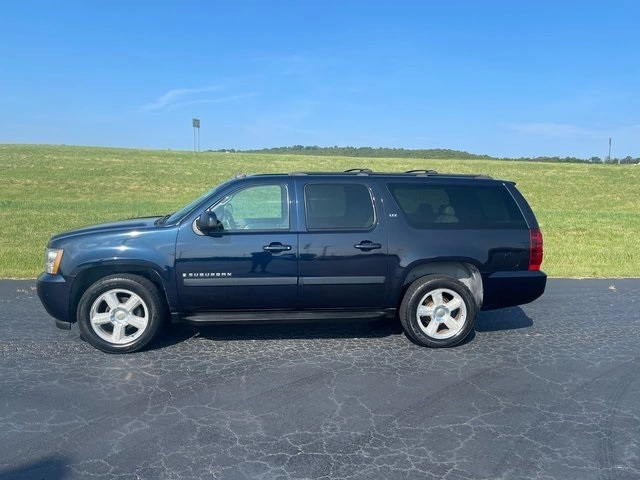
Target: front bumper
(54, 293)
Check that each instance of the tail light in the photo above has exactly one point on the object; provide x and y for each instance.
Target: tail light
(536, 250)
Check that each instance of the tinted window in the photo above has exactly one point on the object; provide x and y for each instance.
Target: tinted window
(442, 206)
(260, 207)
(338, 206)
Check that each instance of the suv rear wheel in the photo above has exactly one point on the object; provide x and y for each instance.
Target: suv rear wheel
(438, 311)
(120, 313)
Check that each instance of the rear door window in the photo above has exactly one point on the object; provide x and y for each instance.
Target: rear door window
(457, 206)
(338, 206)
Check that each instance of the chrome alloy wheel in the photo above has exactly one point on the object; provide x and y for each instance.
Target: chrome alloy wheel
(119, 316)
(441, 313)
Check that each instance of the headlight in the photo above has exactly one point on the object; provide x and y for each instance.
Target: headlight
(52, 258)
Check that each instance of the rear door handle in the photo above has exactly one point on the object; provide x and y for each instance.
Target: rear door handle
(276, 247)
(367, 246)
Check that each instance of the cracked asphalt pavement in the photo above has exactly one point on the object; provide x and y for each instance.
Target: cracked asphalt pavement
(547, 391)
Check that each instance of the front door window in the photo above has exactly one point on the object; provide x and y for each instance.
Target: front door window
(260, 207)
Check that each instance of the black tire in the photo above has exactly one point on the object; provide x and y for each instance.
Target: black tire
(127, 311)
(448, 311)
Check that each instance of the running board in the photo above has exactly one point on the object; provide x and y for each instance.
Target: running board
(282, 316)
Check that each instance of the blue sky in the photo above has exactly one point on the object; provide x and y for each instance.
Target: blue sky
(504, 78)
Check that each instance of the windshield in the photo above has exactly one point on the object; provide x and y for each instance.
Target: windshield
(177, 216)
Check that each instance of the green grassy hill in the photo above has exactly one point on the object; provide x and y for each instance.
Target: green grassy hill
(589, 214)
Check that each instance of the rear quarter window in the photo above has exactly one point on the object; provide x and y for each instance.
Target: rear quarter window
(457, 206)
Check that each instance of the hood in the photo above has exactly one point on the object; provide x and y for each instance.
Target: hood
(145, 223)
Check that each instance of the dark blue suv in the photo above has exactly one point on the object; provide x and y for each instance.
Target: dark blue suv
(432, 249)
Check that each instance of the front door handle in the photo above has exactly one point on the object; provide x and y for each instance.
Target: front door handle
(276, 247)
(367, 246)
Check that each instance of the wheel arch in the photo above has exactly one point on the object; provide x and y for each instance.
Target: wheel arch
(465, 272)
(87, 276)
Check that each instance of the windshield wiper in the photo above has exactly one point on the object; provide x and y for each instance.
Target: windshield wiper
(161, 221)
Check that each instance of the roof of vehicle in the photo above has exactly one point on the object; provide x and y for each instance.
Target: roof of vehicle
(369, 172)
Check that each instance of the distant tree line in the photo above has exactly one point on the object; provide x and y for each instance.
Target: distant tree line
(431, 153)
(440, 153)
(626, 160)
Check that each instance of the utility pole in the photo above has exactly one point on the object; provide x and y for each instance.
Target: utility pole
(609, 156)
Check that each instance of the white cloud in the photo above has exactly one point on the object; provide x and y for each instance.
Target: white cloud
(230, 98)
(175, 95)
(192, 96)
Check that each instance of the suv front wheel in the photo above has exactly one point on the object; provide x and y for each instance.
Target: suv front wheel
(120, 313)
(437, 311)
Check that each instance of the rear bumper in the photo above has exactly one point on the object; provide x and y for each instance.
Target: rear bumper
(508, 289)
(54, 291)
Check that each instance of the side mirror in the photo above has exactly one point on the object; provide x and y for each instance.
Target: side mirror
(208, 222)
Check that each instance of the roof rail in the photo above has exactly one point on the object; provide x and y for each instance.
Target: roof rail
(359, 170)
(428, 172)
